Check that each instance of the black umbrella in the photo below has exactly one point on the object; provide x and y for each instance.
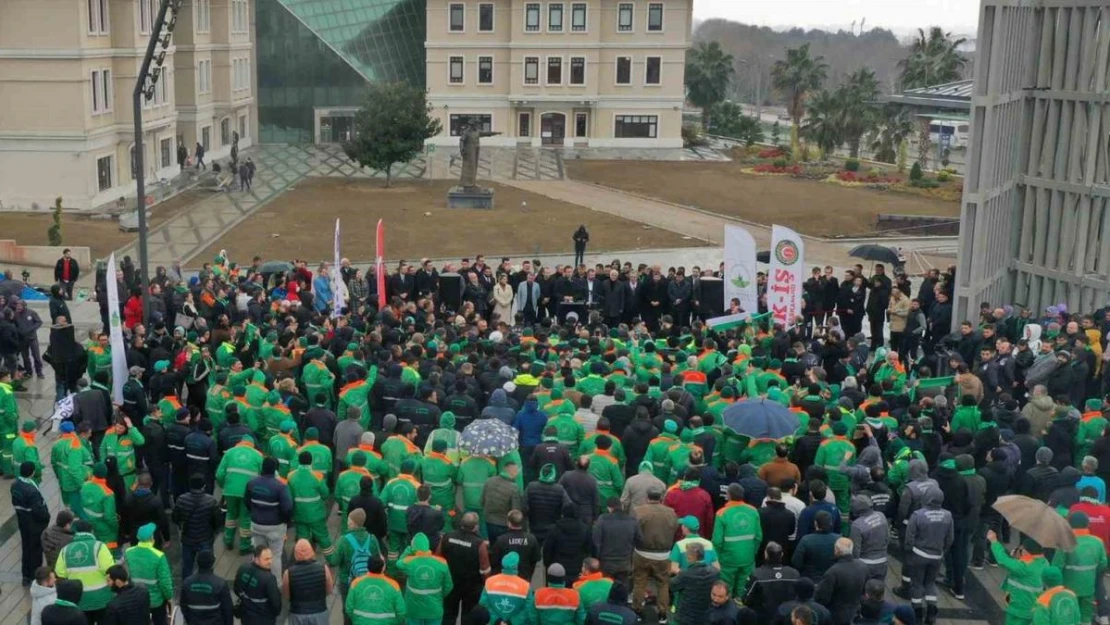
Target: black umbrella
(763, 257)
(275, 266)
(876, 254)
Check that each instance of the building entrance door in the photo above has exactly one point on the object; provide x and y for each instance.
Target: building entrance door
(336, 128)
(553, 127)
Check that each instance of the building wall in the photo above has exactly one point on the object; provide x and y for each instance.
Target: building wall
(1035, 224)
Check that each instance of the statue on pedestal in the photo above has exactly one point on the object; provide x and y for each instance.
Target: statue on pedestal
(469, 148)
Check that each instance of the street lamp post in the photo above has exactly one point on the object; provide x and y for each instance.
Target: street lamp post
(143, 90)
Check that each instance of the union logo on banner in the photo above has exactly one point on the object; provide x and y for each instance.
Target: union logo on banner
(786, 252)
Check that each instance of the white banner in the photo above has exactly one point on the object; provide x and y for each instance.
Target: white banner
(115, 335)
(784, 282)
(336, 279)
(740, 269)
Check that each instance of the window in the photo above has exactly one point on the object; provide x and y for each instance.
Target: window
(98, 17)
(555, 17)
(652, 69)
(242, 126)
(206, 137)
(485, 70)
(204, 76)
(240, 74)
(577, 70)
(240, 16)
(532, 17)
(525, 124)
(146, 16)
(204, 15)
(655, 17)
(531, 70)
(225, 131)
(578, 17)
(165, 147)
(104, 173)
(458, 122)
(101, 84)
(455, 76)
(624, 70)
(457, 16)
(581, 123)
(485, 18)
(554, 70)
(624, 17)
(636, 127)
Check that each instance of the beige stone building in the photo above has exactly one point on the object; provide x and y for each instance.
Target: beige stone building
(597, 73)
(67, 70)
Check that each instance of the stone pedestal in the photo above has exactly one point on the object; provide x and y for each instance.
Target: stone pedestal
(470, 197)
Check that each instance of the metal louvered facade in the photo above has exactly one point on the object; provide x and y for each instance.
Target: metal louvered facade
(1035, 225)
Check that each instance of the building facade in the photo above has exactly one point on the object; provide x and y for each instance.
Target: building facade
(596, 73)
(67, 71)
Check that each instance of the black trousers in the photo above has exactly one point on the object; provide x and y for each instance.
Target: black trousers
(467, 595)
(32, 552)
(95, 440)
(876, 322)
(579, 255)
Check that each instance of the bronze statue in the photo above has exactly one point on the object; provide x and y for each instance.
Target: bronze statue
(469, 147)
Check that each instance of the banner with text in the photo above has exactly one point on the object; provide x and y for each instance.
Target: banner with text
(115, 334)
(784, 283)
(740, 269)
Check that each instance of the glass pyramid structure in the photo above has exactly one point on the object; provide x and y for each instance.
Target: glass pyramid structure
(322, 53)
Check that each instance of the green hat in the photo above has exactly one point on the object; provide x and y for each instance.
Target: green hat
(312, 434)
(536, 369)
(191, 336)
(840, 428)
(352, 347)
(775, 364)
(238, 390)
(408, 465)
(510, 562)
(455, 348)
(1052, 577)
(690, 523)
(439, 446)
(358, 459)
(547, 382)
(29, 426)
(161, 365)
(1093, 404)
(1079, 520)
(548, 473)
(433, 346)
(727, 392)
(670, 426)
(556, 393)
(949, 464)
(273, 397)
(287, 425)
(100, 470)
(247, 439)
(146, 532)
(420, 542)
(646, 466)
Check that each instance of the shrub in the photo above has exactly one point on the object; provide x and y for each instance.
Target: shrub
(916, 173)
(851, 164)
(779, 163)
(944, 176)
(692, 136)
(54, 232)
(924, 183)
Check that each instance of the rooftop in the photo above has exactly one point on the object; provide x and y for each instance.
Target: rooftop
(952, 95)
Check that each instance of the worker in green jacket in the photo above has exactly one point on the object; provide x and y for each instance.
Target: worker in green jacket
(1023, 582)
(831, 454)
(120, 442)
(1083, 566)
(283, 447)
(100, 358)
(215, 402)
(678, 455)
(1058, 604)
(507, 596)
(569, 432)
(592, 585)
(400, 447)
(321, 453)
(659, 448)
(606, 469)
(272, 414)
(375, 464)
(1092, 423)
(240, 465)
(399, 493)
(348, 483)
(556, 604)
(736, 537)
(472, 476)
(375, 599)
(355, 393)
(148, 566)
(439, 475)
(98, 507)
(71, 459)
(87, 560)
(309, 488)
(355, 544)
(25, 450)
(9, 422)
(319, 383)
(590, 442)
(449, 435)
(428, 582)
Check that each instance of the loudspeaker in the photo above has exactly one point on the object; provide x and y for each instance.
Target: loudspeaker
(712, 297)
(566, 308)
(450, 290)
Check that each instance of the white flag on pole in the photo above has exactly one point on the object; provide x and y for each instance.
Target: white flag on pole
(336, 279)
(740, 269)
(115, 335)
(784, 284)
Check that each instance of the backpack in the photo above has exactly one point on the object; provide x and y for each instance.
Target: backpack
(360, 559)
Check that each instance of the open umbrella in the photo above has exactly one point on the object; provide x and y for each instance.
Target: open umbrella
(1035, 519)
(760, 418)
(488, 437)
(275, 266)
(875, 253)
(763, 257)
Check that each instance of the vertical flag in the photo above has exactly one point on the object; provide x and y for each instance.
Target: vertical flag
(740, 269)
(336, 278)
(379, 265)
(115, 334)
(784, 285)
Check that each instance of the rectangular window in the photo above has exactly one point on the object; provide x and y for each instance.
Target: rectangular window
(98, 17)
(204, 15)
(526, 124)
(104, 173)
(624, 70)
(652, 70)
(242, 126)
(204, 76)
(485, 70)
(624, 17)
(160, 89)
(225, 131)
(458, 122)
(96, 85)
(165, 148)
(555, 17)
(554, 70)
(456, 73)
(206, 137)
(457, 14)
(577, 70)
(531, 70)
(578, 17)
(636, 127)
(655, 17)
(485, 18)
(145, 11)
(532, 17)
(581, 123)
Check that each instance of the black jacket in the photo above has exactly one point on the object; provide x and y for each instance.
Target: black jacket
(805, 450)
(68, 590)
(841, 588)
(543, 505)
(998, 484)
(201, 591)
(814, 554)
(551, 452)
(427, 520)
(130, 606)
(1040, 480)
(956, 498)
(581, 487)
(770, 586)
(615, 536)
(375, 512)
(30, 508)
(259, 596)
(778, 524)
(519, 542)
(636, 438)
(568, 542)
(696, 585)
(197, 514)
(620, 416)
(93, 406)
(143, 507)
(1060, 439)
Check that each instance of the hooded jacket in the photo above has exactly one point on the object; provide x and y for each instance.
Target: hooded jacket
(530, 422)
(568, 540)
(930, 531)
(635, 439)
(499, 408)
(914, 491)
(544, 501)
(870, 532)
(1039, 411)
(636, 488)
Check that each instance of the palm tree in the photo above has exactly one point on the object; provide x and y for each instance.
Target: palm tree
(934, 59)
(824, 124)
(709, 71)
(859, 109)
(895, 127)
(796, 77)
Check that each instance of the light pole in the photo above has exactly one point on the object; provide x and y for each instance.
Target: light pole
(143, 90)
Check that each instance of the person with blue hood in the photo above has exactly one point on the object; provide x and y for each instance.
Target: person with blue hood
(499, 408)
(529, 423)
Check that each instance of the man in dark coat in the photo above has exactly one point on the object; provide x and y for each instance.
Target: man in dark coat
(203, 590)
(93, 406)
(66, 272)
(259, 589)
(581, 487)
(550, 452)
(695, 583)
(131, 603)
(841, 588)
(65, 612)
(613, 299)
(33, 517)
(771, 584)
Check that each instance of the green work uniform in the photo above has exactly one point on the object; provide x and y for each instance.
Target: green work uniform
(736, 537)
(122, 448)
(427, 580)
(355, 394)
(658, 454)
(1058, 606)
(1022, 585)
(72, 462)
(396, 449)
(1083, 568)
(309, 490)
(25, 450)
(9, 426)
(87, 560)
(607, 471)
(830, 454)
(399, 493)
(98, 507)
(149, 567)
(439, 476)
(283, 448)
(569, 432)
(240, 465)
(375, 599)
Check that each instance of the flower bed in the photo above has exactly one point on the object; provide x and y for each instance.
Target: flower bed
(771, 168)
(771, 153)
(872, 177)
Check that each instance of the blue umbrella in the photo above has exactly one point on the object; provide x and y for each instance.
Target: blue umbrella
(760, 418)
(489, 437)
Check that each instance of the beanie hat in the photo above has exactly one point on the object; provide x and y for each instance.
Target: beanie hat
(556, 575)
(287, 425)
(510, 562)
(840, 428)
(146, 532)
(26, 469)
(67, 427)
(408, 465)
(206, 560)
(1044, 455)
(1079, 520)
(312, 434)
(100, 470)
(1052, 577)
(670, 426)
(28, 426)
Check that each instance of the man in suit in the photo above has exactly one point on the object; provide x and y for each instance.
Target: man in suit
(401, 284)
(631, 297)
(426, 282)
(527, 299)
(613, 298)
(591, 290)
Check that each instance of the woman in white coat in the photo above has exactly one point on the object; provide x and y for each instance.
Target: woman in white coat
(503, 299)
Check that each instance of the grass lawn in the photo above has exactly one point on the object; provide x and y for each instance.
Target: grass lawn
(299, 224)
(809, 206)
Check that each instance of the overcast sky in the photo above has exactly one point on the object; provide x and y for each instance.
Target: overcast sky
(898, 15)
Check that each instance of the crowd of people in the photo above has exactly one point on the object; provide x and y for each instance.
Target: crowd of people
(253, 413)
